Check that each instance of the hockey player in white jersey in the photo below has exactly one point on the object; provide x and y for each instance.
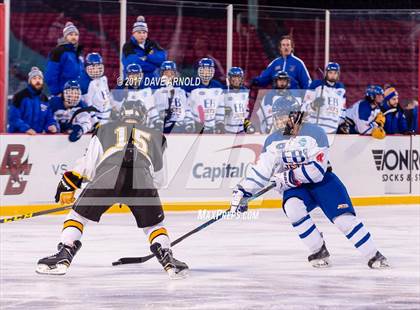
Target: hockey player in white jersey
(94, 86)
(206, 101)
(133, 89)
(71, 113)
(325, 100)
(171, 102)
(295, 158)
(124, 164)
(365, 116)
(236, 97)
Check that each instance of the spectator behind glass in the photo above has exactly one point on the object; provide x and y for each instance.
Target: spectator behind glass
(143, 51)
(64, 61)
(395, 120)
(411, 113)
(294, 66)
(29, 111)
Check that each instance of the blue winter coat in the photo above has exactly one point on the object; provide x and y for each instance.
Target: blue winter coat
(150, 58)
(29, 109)
(395, 122)
(294, 66)
(63, 65)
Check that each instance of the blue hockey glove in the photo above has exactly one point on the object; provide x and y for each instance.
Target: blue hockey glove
(76, 133)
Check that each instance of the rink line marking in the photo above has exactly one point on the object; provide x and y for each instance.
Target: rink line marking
(217, 205)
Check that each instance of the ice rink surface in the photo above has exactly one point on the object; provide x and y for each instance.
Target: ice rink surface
(235, 264)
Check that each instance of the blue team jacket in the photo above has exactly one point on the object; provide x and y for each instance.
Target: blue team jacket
(155, 55)
(63, 65)
(395, 122)
(294, 66)
(29, 109)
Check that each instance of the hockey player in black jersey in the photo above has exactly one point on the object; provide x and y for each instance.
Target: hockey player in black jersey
(124, 164)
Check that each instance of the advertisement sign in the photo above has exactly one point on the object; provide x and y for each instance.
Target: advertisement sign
(205, 168)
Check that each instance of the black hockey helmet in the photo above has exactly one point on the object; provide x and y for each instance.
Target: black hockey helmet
(133, 110)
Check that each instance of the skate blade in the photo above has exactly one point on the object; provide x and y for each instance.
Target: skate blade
(58, 270)
(321, 263)
(177, 275)
(380, 265)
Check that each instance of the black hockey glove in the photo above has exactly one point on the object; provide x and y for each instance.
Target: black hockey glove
(220, 128)
(67, 187)
(249, 128)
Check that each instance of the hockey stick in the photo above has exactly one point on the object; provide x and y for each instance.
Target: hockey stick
(322, 92)
(139, 260)
(30, 215)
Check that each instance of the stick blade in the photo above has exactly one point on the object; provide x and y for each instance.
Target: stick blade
(132, 260)
(116, 263)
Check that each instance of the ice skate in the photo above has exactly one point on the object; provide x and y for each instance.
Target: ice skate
(58, 263)
(175, 268)
(378, 262)
(320, 259)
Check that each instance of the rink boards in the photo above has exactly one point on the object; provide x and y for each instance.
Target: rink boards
(202, 170)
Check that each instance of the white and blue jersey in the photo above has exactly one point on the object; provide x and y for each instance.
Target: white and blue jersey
(172, 103)
(362, 114)
(304, 155)
(207, 106)
(331, 114)
(236, 109)
(95, 92)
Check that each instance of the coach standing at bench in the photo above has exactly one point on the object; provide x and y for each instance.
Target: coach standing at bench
(143, 51)
(294, 66)
(64, 61)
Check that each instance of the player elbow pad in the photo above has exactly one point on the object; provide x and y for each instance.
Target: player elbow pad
(72, 179)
